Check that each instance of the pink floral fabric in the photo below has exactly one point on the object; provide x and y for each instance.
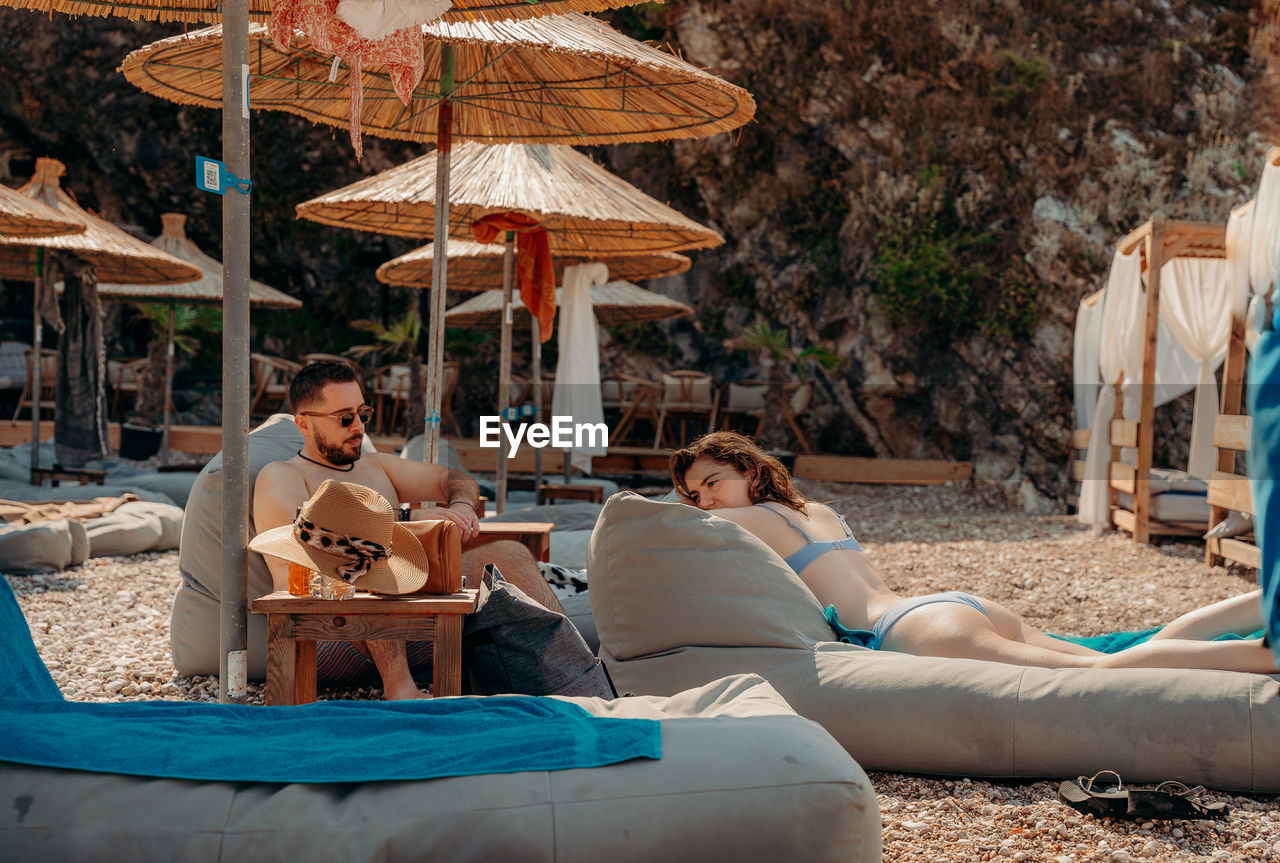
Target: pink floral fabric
(400, 52)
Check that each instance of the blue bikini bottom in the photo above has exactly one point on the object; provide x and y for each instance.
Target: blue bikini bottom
(874, 637)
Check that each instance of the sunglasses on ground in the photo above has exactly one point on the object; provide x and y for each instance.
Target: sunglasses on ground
(347, 417)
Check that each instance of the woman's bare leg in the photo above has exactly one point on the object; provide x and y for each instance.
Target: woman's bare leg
(953, 630)
(1241, 615)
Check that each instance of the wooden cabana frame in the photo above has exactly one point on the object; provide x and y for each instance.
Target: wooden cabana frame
(1158, 241)
(1232, 431)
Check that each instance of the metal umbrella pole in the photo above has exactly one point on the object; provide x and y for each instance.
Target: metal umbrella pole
(233, 620)
(168, 384)
(439, 267)
(37, 338)
(504, 368)
(536, 374)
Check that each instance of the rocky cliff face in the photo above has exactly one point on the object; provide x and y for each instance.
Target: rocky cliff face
(933, 187)
(929, 188)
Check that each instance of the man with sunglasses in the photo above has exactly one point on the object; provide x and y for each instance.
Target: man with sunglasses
(329, 410)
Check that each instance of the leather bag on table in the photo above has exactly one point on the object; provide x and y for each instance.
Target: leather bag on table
(442, 541)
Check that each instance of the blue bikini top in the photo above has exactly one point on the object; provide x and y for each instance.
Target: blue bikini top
(814, 548)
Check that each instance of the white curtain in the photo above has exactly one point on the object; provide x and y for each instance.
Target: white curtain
(1121, 324)
(577, 389)
(1264, 239)
(1084, 361)
(1239, 239)
(1195, 303)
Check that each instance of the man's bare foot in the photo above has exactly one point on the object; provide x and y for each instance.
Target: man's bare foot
(403, 693)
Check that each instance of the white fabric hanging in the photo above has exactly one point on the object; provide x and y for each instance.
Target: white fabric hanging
(377, 19)
(577, 389)
(1121, 307)
(1239, 234)
(1084, 361)
(1264, 239)
(1195, 303)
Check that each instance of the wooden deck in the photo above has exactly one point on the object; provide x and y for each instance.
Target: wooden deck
(620, 460)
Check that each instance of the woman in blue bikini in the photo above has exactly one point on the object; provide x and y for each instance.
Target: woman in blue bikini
(729, 474)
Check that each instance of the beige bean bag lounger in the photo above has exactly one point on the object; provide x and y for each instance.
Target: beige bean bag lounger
(741, 778)
(680, 597)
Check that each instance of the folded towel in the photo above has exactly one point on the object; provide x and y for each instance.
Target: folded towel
(332, 741)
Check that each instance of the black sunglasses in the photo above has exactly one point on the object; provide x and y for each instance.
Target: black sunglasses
(346, 417)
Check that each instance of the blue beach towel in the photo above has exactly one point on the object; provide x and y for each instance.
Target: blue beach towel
(333, 741)
(1263, 394)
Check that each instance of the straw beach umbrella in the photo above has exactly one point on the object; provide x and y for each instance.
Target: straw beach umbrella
(562, 77)
(21, 216)
(615, 303)
(478, 266)
(207, 289)
(113, 255)
(585, 209)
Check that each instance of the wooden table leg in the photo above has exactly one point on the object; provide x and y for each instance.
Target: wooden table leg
(282, 660)
(304, 671)
(447, 658)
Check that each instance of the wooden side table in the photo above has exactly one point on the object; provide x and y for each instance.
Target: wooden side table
(296, 623)
(553, 491)
(536, 535)
(57, 474)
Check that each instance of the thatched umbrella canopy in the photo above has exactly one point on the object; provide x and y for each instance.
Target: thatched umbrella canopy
(478, 266)
(207, 289)
(113, 255)
(21, 216)
(210, 11)
(556, 78)
(614, 303)
(173, 239)
(585, 209)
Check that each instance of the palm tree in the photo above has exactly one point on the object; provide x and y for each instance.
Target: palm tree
(188, 323)
(775, 353)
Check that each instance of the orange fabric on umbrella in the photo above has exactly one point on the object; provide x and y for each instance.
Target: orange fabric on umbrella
(535, 271)
(400, 52)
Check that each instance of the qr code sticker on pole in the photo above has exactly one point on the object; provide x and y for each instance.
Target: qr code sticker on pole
(209, 175)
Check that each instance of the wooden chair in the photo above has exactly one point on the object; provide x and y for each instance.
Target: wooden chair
(271, 376)
(126, 379)
(390, 393)
(739, 401)
(308, 359)
(638, 399)
(1232, 430)
(48, 382)
(687, 396)
(797, 404)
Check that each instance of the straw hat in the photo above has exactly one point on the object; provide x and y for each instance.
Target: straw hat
(348, 531)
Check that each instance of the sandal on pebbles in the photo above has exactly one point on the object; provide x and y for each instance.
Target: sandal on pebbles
(1166, 800)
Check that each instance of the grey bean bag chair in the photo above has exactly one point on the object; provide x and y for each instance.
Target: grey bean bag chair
(45, 546)
(741, 778)
(194, 621)
(680, 597)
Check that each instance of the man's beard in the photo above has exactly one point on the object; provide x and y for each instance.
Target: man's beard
(334, 454)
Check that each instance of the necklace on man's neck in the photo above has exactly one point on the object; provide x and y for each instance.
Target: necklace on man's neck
(346, 469)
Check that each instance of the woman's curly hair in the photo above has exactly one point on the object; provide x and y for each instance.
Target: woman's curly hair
(769, 479)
